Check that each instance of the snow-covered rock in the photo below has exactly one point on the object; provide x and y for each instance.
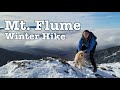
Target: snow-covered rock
(111, 68)
(52, 68)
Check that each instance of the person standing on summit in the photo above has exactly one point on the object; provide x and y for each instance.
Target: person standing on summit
(88, 44)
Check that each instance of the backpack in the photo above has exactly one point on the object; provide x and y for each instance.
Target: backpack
(93, 35)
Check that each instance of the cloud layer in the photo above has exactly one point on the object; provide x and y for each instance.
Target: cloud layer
(106, 37)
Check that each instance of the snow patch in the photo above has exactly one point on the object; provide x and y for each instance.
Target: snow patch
(54, 68)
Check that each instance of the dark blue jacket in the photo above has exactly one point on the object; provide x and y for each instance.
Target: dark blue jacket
(90, 44)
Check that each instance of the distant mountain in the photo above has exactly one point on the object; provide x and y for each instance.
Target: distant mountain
(1, 28)
(7, 55)
(32, 26)
(67, 53)
(108, 55)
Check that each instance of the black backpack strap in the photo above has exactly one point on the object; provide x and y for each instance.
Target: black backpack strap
(93, 35)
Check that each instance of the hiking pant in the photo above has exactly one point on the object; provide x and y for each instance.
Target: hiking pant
(91, 55)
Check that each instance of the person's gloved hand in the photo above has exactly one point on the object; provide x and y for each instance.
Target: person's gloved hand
(86, 53)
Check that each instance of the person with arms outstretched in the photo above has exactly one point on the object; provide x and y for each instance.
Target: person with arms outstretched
(88, 44)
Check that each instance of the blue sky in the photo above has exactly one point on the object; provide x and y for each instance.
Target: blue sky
(107, 19)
